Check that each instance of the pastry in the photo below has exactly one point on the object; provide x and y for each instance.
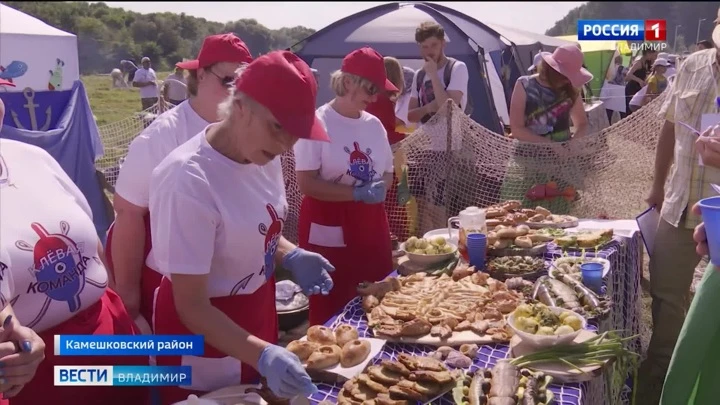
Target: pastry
(523, 242)
(354, 352)
(543, 211)
(325, 356)
(383, 375)
(321, 334)
(345, 333)
(302, 348)
(505, 233)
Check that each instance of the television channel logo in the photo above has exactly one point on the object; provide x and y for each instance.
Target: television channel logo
(628, 30)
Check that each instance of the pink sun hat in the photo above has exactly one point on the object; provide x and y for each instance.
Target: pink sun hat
(568, 61)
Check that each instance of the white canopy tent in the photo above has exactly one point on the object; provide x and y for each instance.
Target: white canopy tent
(34, 54)
(528, 43)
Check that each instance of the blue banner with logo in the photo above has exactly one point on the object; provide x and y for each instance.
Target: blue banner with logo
(62, 123)
(129, 345)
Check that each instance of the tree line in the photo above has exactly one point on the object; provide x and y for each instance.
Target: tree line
(106, 35)
(685, 15)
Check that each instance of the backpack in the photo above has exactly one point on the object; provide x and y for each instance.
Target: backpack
(446, 79)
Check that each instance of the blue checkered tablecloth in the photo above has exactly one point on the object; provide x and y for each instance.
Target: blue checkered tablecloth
(622, 284)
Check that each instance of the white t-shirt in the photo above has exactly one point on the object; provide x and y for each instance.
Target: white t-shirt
(211, 215)
(639, 97)
(458, 81)
(358, 151)
(170, 130)
(7, 287)
(143, 75)
(48, 237)
(176, 89)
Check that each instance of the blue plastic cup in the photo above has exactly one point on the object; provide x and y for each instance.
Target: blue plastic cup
(592, 275)
(710, 208)
(476, 249)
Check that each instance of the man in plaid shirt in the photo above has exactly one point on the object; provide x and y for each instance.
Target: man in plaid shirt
(692, 94)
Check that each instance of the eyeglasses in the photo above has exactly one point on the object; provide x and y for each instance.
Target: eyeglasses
(226, 81)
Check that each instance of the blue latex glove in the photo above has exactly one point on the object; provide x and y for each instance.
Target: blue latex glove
(310, 271)
(371, 192)
(284, 372)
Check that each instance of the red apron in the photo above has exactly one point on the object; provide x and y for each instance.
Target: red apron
(106, 317)
(149, 279)
(366, 257)
(254, 312)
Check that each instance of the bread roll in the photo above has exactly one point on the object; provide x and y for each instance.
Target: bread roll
(302, 348)
(492, 223)
(326, 356)
(345, 333)
(491, 238)
(523, 242)
(506, 233)
(522, 230)
(321, 334)
(502, 243)
(354, 352)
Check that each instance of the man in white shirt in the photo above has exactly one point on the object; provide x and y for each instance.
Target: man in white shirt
(430, 89)
(129, 238)
(175, 87)
(146, 80)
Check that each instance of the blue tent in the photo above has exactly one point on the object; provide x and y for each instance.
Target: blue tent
(390, 29)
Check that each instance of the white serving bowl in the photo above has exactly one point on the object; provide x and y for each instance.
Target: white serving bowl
(428, 260)
(547, 340)
(573, 259)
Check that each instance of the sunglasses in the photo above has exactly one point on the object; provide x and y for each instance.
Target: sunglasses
(371, 89)
(226, 81)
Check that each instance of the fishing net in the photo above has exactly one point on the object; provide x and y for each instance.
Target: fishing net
(452, 162)
(116, 138)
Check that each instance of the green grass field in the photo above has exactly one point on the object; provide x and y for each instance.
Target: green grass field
(109, 104)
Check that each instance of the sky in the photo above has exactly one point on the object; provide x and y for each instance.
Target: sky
(529, 16)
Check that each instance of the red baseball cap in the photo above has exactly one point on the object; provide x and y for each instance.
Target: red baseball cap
(368, 64)
(219, 48)
(284, 84)
(4, 82)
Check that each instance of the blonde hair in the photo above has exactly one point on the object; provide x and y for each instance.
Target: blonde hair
(337, 82)
(394, 72)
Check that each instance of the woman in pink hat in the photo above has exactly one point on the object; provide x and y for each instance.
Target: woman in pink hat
(128, 242)
(217, 210)
(544, 104)
(344, 183)
(542, 108)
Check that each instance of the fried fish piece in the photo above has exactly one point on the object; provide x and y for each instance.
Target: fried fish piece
(362, 392)
(426, 389)
(346, 398)
(384, 399)
(373, 385)
(479, 327)
(414, 363)
(441, 331)
(392, 330)
(437, 377)
(395, 367)
(405, 393)
(416, 327)
(384, 375)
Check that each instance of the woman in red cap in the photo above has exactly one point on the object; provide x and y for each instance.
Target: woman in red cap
(217, 210)
(344, 183)
(128, 243)
(52, 259)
